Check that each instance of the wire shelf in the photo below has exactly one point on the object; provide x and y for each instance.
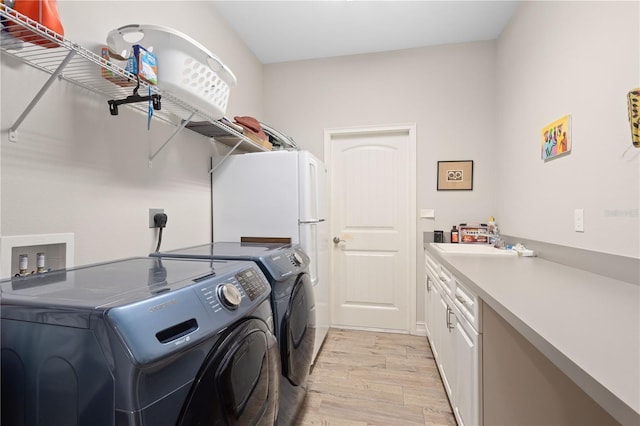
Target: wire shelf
(61, 58)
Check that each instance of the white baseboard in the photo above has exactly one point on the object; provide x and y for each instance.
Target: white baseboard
(421, 330)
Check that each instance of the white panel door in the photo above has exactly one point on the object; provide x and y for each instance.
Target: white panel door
(372, 175)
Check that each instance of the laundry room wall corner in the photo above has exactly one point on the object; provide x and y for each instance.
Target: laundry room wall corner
(76, 168)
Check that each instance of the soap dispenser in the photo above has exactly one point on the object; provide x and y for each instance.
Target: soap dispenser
(454, 234)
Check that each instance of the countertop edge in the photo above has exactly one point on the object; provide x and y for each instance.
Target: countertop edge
(618, 409)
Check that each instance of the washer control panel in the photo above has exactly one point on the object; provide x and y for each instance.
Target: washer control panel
(253, 283)
(296, 259)
(286, 263)
(229, 294)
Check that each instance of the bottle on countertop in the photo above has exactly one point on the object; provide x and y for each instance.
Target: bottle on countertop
(494, 233)
(492, 225)
(454, 234)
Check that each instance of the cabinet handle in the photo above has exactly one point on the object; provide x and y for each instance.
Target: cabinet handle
(461, 300)
(449, 323)
(428, 285)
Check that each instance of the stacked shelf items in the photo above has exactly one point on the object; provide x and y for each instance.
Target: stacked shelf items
(227, 133)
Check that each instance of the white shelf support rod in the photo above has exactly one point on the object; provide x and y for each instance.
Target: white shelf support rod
(213, 169)
(13, 131)
(173, 135)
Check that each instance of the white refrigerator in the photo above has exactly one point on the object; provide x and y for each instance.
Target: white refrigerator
(278, 194)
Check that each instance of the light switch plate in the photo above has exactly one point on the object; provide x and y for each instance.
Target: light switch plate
(427, 213)
(578, 220)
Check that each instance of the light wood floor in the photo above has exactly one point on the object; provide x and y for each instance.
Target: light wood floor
(369, 378)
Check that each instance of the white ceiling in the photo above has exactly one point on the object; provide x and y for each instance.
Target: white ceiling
(282, 31)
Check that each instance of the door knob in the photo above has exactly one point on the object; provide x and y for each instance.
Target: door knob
(337, 240)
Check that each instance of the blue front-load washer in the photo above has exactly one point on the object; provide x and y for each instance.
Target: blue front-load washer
(142, 341)
(287, 270)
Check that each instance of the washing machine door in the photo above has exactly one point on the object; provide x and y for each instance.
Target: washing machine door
(298, 332)
(238, 383)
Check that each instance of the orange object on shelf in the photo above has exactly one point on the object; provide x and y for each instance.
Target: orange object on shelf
(43, 11)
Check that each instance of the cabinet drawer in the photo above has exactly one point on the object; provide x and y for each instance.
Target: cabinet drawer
(446, 278)
(439, 274)
(468, 305)
(431, 271)
(431, 265)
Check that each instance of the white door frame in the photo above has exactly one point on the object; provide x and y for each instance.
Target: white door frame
(411, 213)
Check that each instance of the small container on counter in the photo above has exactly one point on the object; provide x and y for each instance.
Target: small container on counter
(454, 234)
(438, 236)
(474, 233)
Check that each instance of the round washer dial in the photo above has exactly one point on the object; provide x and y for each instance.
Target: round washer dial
(229, 295)
(297, 259)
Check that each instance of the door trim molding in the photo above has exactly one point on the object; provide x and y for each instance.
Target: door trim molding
(410, 129)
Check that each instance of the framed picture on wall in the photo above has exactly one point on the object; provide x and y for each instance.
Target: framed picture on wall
(556, 138)
(455, 175)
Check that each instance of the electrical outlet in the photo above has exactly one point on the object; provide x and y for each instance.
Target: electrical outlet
(152, 213)
(578, 220)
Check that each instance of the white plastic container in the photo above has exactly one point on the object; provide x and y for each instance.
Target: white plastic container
(186, 69)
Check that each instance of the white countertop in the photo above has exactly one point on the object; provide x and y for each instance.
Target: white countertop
(586, 324)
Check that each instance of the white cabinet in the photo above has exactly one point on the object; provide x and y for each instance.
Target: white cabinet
(429, 295)
(467, 374)
(437, 318)
(446, 360)
(432, 300)
(451, 319)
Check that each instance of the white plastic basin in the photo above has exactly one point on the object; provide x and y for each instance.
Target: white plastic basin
(473, 249)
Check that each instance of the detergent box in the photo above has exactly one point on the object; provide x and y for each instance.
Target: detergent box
(147, 64)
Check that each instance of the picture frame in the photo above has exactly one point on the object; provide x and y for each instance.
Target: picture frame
(455, 175)
(556, 139)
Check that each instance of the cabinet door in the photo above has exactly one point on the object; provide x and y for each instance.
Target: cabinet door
(428, 308)
(446, 360)
(435, 325)
(466, 385)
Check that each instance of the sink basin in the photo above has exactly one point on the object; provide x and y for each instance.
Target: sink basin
(472, 249)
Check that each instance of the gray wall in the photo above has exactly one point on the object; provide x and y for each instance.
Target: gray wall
(448, 91)
(578, 58)
(78, 169)
(488, 102)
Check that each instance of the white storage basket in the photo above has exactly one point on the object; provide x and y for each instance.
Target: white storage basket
(186, 69)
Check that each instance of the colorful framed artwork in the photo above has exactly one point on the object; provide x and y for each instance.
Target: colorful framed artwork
(556, 138)
(633, 104)
(455, 175)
